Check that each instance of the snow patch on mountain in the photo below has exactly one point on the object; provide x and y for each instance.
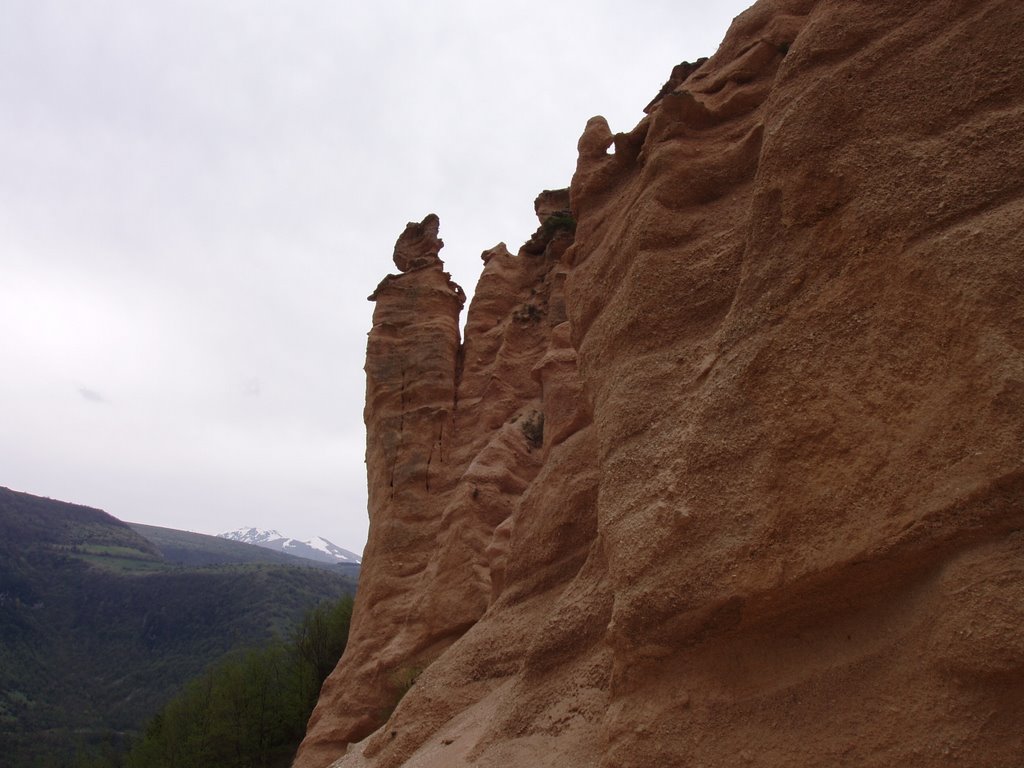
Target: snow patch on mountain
(317, 548)
(257, 536)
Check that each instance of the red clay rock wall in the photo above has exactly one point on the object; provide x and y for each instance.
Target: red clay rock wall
(776, 516)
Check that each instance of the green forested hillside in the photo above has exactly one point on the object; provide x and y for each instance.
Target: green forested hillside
(98, 630)
(247, 711)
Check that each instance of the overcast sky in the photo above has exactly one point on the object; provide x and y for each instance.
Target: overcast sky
(196, 197)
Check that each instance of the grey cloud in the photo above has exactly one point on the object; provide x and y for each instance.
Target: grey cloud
(92, 395)
(196, 191)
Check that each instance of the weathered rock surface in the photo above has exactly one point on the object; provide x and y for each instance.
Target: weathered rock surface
(774, 513)
(454, 437)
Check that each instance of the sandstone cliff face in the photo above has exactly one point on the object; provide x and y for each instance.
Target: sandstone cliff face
(454, 437)
(774, 513)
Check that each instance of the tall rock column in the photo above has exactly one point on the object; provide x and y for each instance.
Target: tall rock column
(455, 436)
(411, 362)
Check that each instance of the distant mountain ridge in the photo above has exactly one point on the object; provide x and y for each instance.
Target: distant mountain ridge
(199, 549)
(318, 548)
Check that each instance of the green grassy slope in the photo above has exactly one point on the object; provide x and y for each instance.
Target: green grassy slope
(98, 629)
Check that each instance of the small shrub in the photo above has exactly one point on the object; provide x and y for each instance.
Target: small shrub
(401, 682)
(528, 313)
(404, 678)
(562, 220)
(533, 429)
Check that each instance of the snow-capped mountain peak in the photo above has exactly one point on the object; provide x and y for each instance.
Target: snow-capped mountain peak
(257, 536)
(317, 548)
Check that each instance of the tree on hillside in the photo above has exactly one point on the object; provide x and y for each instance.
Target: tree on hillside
(249, 710)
